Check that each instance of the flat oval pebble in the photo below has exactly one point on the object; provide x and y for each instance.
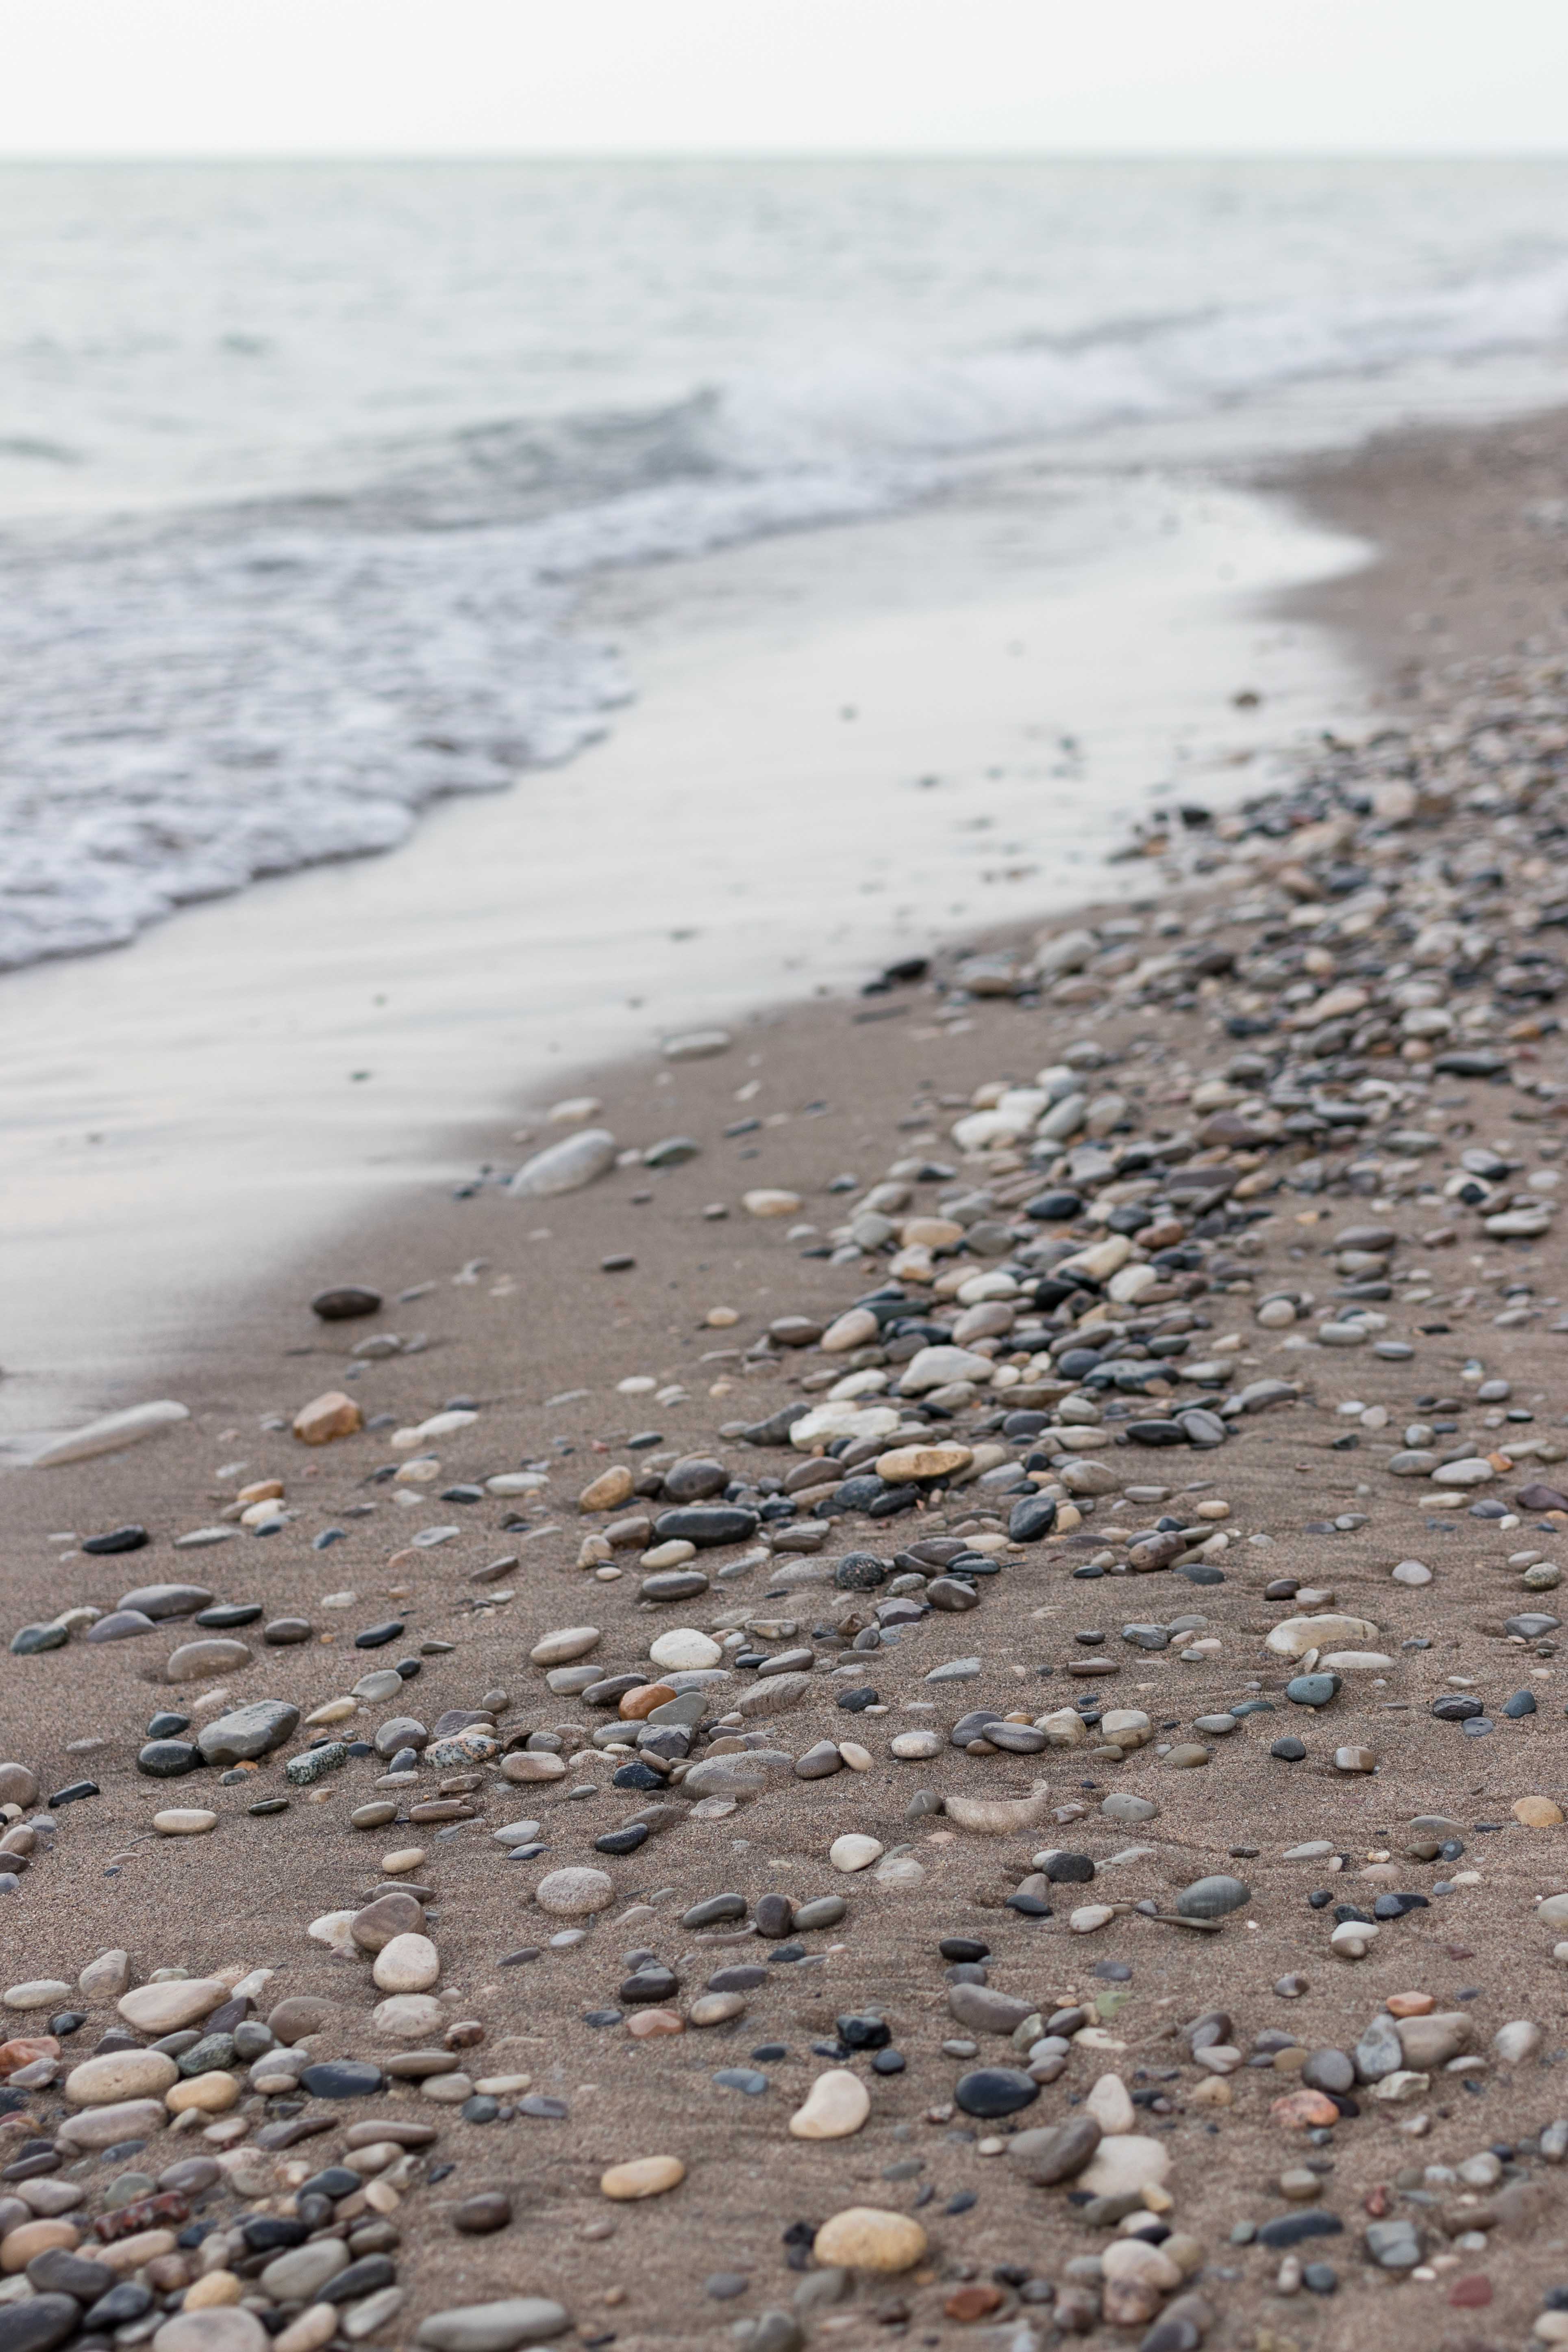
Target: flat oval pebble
(867, 2238)
(574, 1892)
(643, 2175)
(853, 1851)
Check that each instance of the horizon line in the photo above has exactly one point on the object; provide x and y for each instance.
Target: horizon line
(767, 155)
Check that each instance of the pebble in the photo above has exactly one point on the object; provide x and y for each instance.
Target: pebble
(835, 2107)
(866, 2238)
(643, 2175)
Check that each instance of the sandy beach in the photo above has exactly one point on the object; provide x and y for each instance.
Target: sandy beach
(1266, 1313)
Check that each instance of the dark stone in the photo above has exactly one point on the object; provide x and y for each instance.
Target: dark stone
(165, 1759)
(343, 2078)
(705, 1524)
(994, 2091)
(1455, 1708)
(128, 1538)
(863, 2033)
(59, 2273)
(708, 1914)
(367, 2276)
(773, 1914)
(1522, 1703)
(693, 1480)
(73, 1792)
(963, 1947)
(376, 1637)
(121, 2305)
(1031, 1518)
(228, 1616)
(341, 1306)
(1291, 2229)
(649, 1984)
(487, 2210)
(624, 1840)
(860, 1572)
(853, 1702)
(39, 2325)
(745, 1977)
(1289, 1751)
(284, 1632)
(1057, 2152)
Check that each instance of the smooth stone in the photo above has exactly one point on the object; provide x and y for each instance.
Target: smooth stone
(1055, 2152)
(1213, 1898)
(168, 2008)
(341, 2078)
(408, 1962)
(248, 1732)
(196, 1662)
(560, 1648)
(575, 1892)
(864, 2238)
(854, 1852)
(220, 2327)
(643, 2175)
(836, 2106)
(493, 2326)
(111, 1432)
(566, 1167)
(990, 2091)
(161, 1601)
(1125, 2166)
(683, 1648)
(183, 1820)
(95, 2128)
(119, 2075)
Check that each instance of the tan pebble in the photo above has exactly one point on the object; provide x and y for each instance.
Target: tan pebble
(568, 1642)
(1536, 1812)
(643, 2175)
(209, 2094)
(170, 2007)
(1355, 1760)
(406, 1858)
(768, 1202)
(129, 2254)
(859, 1758)
(1214, 2093)
(120, 2075)
(19, 2245)
(1410, 2004)
(183, 1820)
(218, 2286)
(524, 1765)
(716, 2008)
(608, 1491)
(326, 1417)
(648, 2022)
(865, 2238)
(836, 2104)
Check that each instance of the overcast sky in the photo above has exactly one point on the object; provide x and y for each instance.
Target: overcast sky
(520, 77)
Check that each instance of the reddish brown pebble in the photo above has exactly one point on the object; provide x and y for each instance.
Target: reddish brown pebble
(973, 2302)
(1470, 2294)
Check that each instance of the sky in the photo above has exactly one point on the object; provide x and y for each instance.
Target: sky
(794, 77)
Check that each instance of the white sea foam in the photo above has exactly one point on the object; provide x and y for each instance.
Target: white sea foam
(195, 695)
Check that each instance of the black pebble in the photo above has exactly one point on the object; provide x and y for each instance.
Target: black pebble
(121, 1539)
(376, 1637)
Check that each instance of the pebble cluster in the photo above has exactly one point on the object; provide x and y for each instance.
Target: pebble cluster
(1200, 1357)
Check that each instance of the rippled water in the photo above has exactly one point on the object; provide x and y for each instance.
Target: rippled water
(300, 464)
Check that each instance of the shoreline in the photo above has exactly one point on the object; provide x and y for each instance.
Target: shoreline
(208, 1104)
(1287, 1077)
